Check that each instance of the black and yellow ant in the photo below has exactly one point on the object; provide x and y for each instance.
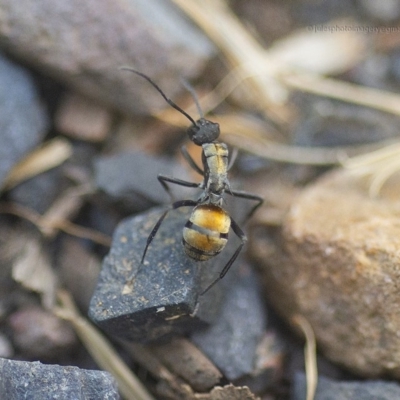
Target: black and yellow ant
(206, 232)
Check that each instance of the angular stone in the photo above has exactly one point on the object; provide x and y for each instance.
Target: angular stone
(231, 341)
(84, 44)
(33, 380)
(336, 262)
(146, 302)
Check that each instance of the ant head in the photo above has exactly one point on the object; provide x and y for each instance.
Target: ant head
(203, 131)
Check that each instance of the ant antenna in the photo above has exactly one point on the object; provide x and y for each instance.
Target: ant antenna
(190, 89)
(169, 101)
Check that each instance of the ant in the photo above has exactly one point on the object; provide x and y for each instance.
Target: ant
(206, 232)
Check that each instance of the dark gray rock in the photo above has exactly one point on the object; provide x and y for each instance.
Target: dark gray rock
(33, 380)
(23, 121)
(131, 178)
(322, 11)
(341, 390)
(386, 11)
(231, 342)
(146, 302)
(30, 193)
(84, 44)
(331, 123)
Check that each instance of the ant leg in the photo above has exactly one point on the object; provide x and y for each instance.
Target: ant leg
(190, 160)
(178, 204)
(164, 179)
(234, 155)
(241, 235)
(249, 196)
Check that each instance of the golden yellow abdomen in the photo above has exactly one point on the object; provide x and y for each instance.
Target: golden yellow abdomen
(206, 232)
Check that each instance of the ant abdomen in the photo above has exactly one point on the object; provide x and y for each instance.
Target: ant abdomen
(206, 232)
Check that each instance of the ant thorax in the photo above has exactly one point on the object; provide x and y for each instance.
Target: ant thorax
(215, 161)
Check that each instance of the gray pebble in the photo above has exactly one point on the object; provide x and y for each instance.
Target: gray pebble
(342, 390)
(231, 342)
(23, 121)
(33, 380)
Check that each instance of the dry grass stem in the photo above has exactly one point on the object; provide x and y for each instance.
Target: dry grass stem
(349, 92)
(379, 165)
(241, 51)
(310, 355)
(292, 63)
(252, 135)
(48, 156)
(101, 350)
(64, 208)
(63, 225)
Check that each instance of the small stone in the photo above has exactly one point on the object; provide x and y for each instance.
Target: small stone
(336, 262)
(329, 389)
(386, 10)
(30, 193)
(228, 392)
(78, 270)
(82, 119)
(23, 119)
(330, 124)
(6, 348)
(231, 341)
(131, 178)
(33, 380)
(322, 11)
(188, 362)
(146, 302)
(40, 334)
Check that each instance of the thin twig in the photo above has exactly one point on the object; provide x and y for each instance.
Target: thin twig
(63, 225)
(310, 355)
(349, 92)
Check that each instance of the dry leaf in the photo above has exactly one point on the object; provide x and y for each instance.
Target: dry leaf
(32, 269)
(228, 392)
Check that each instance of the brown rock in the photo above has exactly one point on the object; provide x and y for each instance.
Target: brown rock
(336, 261)
(188, 362)
(40, 334)
(84, 44)
(82, 119)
